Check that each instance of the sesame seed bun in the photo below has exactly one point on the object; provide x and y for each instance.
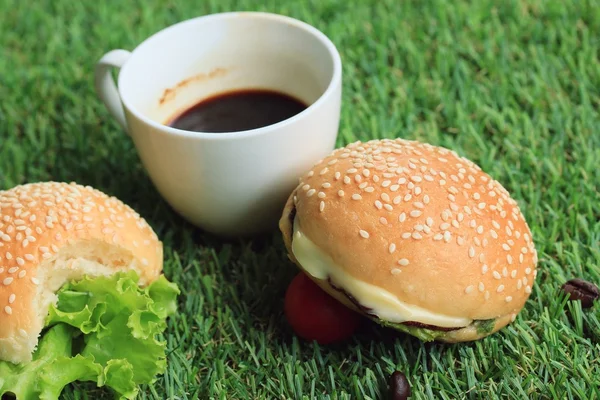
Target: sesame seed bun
(421, 224)
(51, 233)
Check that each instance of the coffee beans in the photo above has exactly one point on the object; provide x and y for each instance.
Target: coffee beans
(399, 386)
(581, 290)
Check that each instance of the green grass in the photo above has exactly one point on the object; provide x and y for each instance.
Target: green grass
(514, 86)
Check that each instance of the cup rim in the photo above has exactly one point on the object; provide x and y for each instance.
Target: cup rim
(329, 91)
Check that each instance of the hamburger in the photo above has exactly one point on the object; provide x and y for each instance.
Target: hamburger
(82, 296)
(413, 236)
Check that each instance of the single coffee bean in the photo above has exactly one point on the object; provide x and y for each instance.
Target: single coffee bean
(581, 290)
(399, 386)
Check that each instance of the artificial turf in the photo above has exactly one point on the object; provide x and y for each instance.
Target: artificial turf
(512, 85)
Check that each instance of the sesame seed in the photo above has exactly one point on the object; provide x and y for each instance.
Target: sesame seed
(341, 193)
(385, 183)
(22, 274)
(388, 207)
(385, 197)
(505, 271)
(305, 187)
(500, 288)
(455, 223)
(487, 295)
(447, 236)
(310, 192)
(35, 281)
(429, 221)
(469, 289)
(378, 204)
(363, 185)
(404, 262)
(321, 206)
(352, 171)
(397, 200)
(7, 281)
(519, 284)
(346, 179)
(528, 289)
(13, 270)
(438, 236)
(321, 195)
(505, 247)
(406, 235)
(358, 178)
(419, 227)
(417, 235)
(426, 199)
(496, 224)
(509, 259)
(11, 298)
(484, 268)
(396, 271)
(471, 252)
(364, 234)
(527, 271)
(460, 240)
(383, 221)
(415, 213)
(394, 188)
(496, 275)
(493, 234)
(392, 248)
(337, 175)
(324, 171)
(418, 204)
(8, 310)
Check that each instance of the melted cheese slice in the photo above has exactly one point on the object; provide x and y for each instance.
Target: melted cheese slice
(382, 303)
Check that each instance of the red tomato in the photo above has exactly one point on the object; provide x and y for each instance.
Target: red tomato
(315, 315)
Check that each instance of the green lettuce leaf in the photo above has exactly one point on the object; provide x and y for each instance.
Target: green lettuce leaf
(106, 330)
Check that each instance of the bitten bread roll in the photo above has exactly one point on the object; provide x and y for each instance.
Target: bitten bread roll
(413, 236)
(51, 233)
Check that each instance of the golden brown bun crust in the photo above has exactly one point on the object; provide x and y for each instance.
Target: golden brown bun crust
(52, 232)
(420, 222)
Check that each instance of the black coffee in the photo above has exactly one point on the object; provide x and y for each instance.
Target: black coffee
(239, 110)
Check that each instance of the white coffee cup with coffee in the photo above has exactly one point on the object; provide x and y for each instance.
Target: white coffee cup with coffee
(229, 183)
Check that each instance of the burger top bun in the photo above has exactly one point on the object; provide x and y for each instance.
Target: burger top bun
(51, 233)
(409, 232)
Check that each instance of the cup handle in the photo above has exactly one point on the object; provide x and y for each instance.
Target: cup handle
(105, 84)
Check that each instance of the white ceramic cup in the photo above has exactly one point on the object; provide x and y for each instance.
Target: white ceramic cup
(234, 183)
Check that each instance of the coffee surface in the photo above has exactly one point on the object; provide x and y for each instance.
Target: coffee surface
(238, 110)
